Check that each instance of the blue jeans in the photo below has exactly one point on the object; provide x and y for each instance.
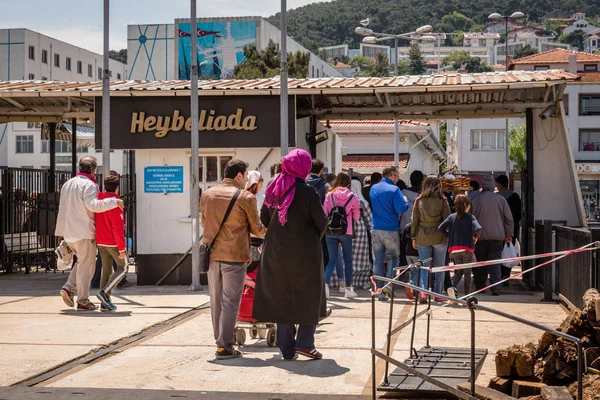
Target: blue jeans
(438, 252)
(385, 241)
(333, 247)
(414, 274)
(288, 341)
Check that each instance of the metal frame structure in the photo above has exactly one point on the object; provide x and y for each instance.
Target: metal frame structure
(472, 304)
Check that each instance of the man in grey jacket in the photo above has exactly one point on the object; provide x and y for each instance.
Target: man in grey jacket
(75, 223)
(494, 216)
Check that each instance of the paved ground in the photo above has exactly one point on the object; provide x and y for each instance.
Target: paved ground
(178, 360)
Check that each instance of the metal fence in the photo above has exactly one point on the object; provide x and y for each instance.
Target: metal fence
(29, 202)
(578, 272)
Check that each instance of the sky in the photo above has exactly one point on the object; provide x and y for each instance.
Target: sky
(79, 22)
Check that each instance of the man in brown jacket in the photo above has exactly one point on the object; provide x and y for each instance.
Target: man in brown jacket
(231, 252)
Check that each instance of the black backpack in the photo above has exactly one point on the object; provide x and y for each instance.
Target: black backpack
(337, 222)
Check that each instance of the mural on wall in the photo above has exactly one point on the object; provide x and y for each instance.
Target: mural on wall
(220, 47)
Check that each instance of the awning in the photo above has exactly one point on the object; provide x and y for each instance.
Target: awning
(373, 161)
(85, 134)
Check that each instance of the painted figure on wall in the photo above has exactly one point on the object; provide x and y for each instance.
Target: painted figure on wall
(220, 47)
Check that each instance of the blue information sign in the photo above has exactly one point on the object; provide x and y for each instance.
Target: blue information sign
(163, 179)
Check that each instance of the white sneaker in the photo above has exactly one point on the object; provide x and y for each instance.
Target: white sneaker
(342, 289)
(327, 292)
(350, 293)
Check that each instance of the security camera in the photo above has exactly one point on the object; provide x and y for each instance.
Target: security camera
(548, 112)
(365, 22)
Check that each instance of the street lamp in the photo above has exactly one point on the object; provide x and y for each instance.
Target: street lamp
(375, 37)
(498, 17)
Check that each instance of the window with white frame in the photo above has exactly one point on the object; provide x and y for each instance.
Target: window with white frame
(488, 139)
(589, 139)
(24, 144)
(212, 170)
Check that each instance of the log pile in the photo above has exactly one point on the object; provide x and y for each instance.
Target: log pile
(553, 361)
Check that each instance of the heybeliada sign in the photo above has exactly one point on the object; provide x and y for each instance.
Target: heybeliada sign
(166, 123)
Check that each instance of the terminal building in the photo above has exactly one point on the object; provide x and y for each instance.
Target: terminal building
(29, 55)
(162, 51)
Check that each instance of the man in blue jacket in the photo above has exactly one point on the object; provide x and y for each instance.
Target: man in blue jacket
(388, 204)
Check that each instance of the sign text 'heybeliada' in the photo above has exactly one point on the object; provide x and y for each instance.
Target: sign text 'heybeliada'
(208, 121)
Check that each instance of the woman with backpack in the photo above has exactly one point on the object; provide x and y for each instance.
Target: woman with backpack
(342, 208)
(429, 211)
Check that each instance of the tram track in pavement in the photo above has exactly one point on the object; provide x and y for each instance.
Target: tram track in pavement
(94, 356)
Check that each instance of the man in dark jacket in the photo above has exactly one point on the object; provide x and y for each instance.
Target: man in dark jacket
(316, 180)
(514, 203)
(493, 214)
(376, 177)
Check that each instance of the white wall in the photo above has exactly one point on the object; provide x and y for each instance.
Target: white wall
(557, 192)
(420, 160)
(575, 122)
(151, 52)
(480, 160)
(38, 160)
(51, 72)
(12, 56)
(373, 143)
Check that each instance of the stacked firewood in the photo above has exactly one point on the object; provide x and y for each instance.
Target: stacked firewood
(524, 370)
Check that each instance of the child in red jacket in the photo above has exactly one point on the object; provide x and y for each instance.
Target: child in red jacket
(110, 238)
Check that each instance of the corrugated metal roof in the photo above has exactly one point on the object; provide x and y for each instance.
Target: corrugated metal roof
(375, 123)
(373, 161)
(296, 86)
(82, 130)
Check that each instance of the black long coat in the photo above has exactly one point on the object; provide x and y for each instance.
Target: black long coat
(290, 286)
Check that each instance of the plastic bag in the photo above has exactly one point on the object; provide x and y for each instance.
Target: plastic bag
(509, 252)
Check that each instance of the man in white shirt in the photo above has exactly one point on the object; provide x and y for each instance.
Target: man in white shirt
(75, 223)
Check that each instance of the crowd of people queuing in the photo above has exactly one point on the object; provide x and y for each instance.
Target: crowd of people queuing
(320, 231)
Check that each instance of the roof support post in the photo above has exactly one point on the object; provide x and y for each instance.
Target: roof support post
(195, 192)
(284, 82)
(396, 133)
(529, 190)
(74, 146)
(52, 146)
(106, 96)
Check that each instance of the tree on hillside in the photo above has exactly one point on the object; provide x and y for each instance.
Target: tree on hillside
(517, 141)
(575, 39)
(416, 63)
(524, 51)
(328, 23)
(266, 63)
(456, 22)
(460, 59)
(362, 62)
(118, 55)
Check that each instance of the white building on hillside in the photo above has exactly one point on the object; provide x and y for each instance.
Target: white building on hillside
(162, 51)
(578, 23)
(591, 41)
(368, 146)
(29, 55)
(330, 53)
(537, 39)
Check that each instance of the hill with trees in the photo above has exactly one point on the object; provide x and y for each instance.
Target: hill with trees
(332, 23)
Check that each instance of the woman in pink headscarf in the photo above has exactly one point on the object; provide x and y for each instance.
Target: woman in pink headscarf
(289, 286)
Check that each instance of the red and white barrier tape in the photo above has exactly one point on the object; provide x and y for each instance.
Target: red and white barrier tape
(477, 264)
(563, 254)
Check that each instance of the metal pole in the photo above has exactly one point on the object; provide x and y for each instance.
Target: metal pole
(195, 192)
(284, 82)
(52, 145)
(74, 146)
(470, 302)
(507, 132)
(106, 97)
(373, 360)
(396, 133)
